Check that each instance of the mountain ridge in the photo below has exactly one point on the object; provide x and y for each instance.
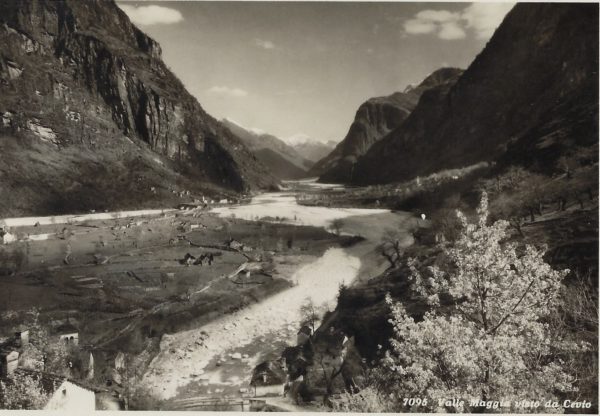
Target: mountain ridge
(489, 116)
(373, 120)
(79, 79)
(281, 159)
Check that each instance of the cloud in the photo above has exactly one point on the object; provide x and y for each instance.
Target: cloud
(481, 18)
(437, 16)
(227, 91)
(265, 44)
(443, 23)
(451, 31)
(419, 27)
(151, 15)
(484, 18)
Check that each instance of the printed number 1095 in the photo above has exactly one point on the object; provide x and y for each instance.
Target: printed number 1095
(414, 402)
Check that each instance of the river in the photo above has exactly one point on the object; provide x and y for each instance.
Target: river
(217, 359)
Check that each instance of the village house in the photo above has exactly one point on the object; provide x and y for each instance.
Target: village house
(269, 379)
(72, 396)
(238, 246)
(6, 236)
(10, 351)
(9, 362)
(303, 335)
(67, 333)
(63, 394)
(22, 337)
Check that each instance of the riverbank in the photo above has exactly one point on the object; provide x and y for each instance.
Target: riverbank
(141, 286)
(234, 344)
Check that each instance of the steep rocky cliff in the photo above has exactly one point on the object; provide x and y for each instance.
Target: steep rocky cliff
(374, 119)
(92, 114)
(528, 97)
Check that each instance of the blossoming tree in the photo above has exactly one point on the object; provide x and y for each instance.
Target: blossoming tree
(492, 341)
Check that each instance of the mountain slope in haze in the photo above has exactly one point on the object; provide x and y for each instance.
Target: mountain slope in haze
(97, 121)
(281, 159)
(313, 150)
(279, 166)
(374, 119)
(529, 97)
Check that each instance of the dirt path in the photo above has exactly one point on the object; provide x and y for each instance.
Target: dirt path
(76, 218)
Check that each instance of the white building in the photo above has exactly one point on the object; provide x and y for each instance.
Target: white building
(9, 361)
(68, 334)
(268, 379)
(62, 394)
(72, 397)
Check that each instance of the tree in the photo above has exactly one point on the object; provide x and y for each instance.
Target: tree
(583, 184)
(391, 247)
(331, 366)
(23, 391)
(328, 361)
(509, 180)
(518, 191)
(54, 355)
(582, 156)
(310, 314)
(577, 317)
(511, 208)
(444, 219)
(494, 343)
(337, 225)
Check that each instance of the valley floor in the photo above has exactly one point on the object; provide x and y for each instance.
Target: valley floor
(234, 344)
(123, 281)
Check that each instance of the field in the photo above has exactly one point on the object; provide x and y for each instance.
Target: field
(125, 282)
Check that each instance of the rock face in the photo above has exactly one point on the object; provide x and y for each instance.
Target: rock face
(281, 159)
(528, 97)
(374, 119)
(80, 83)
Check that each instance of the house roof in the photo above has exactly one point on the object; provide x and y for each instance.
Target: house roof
(66, 328)
(21, 328)
(305, 330)
(273, 371)
(332, 336)
(8, 344)
(51, 382)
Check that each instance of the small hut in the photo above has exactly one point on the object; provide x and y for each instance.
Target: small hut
(269, 379)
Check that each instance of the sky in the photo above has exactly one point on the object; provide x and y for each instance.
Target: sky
(300, 70)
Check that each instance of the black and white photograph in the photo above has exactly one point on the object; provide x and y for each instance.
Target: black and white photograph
(299, 206)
